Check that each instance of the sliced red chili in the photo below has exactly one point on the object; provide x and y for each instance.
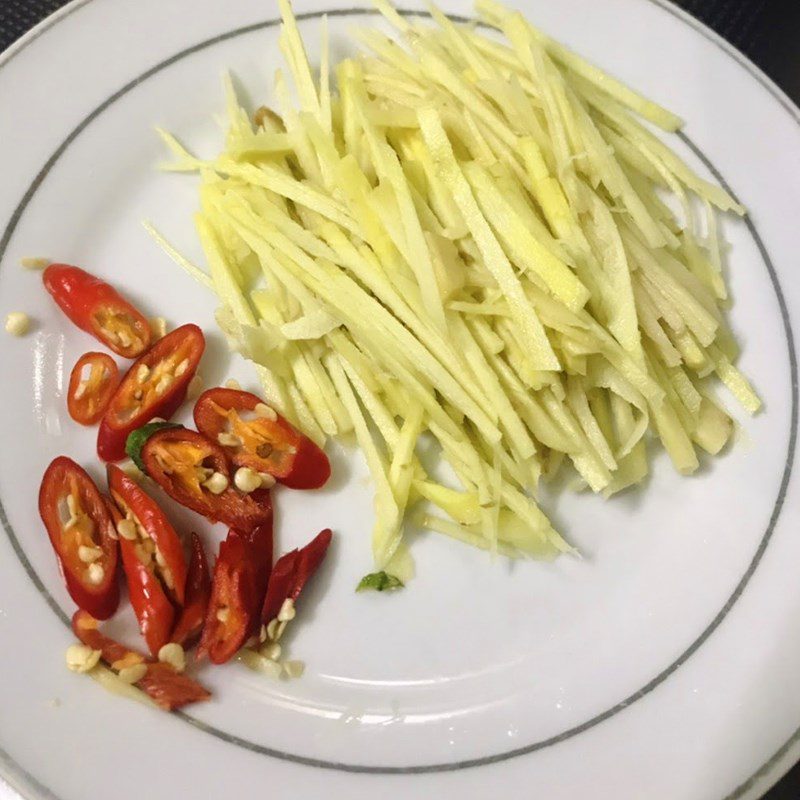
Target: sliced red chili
(184, 463)
(169, 688)
(291, 573)
(92, 384)
(116, 655)
(232, 596)
(153, 530)
(153, 559)
(256, 436)
(97, 308)
(162, 682)
(153, 609)
(280, 585)
(155, 386)
(198, 593)
(240, 583)
(82, 534)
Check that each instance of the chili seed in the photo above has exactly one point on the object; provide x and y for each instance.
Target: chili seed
(272, 630)
(232, 383)
(164, 382)
(246, 480)
(81, 658)
(142, 373)
(96, 574)
(34, 263)
(223, 614)
(126, 528)
(89, 554)
(130, 659)
(217, 483)
(263, 410)
(203, 473)
(267, 480)
(269, 668)
(182, 367)
(133, 674)
(18, 323)
(264, 450)
(287, 611)
(229, 440)
(174, 655)
(142, 555)
(272, 651)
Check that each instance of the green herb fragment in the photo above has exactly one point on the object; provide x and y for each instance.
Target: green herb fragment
(380, 582)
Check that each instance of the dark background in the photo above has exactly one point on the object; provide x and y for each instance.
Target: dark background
(768, 31)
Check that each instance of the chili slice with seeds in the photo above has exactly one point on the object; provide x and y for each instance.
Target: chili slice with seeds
(153, 529)
(240, 583)
(198, 592)
(82, 535)
(97, 308)
(153, 609)
(291, 573)
(264, 440)
(92, 383)
(155, 386)
(182, 461)
(162, 682)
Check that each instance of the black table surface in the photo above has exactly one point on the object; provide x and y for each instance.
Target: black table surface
(767, 31)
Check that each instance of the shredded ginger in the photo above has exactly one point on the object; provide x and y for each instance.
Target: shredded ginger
(475, 239)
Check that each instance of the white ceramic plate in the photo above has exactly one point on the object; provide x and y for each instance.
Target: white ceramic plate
(662, 665)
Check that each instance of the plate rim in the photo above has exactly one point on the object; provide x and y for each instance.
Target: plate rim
(784, 758)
